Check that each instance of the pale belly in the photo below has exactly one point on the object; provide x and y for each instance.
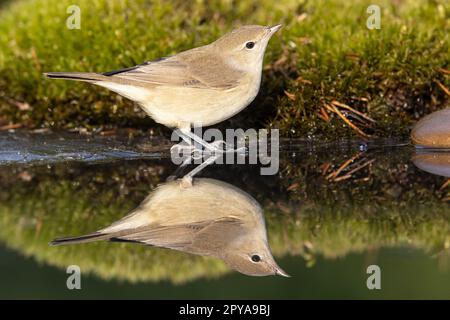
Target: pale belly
(208, 199)
(181, 107)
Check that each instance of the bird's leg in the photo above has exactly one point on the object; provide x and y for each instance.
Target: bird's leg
(180, 168)
(187, 135)
(219, 146)
(187, 178)
(186, 147)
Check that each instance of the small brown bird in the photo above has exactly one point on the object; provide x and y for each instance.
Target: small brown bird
(207, 217)
(199, 87)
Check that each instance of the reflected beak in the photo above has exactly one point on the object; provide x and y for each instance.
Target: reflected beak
(274, 28)
(281, 272)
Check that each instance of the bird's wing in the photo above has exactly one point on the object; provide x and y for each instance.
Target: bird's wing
(200, 237)
(189, 69)
(218, 235)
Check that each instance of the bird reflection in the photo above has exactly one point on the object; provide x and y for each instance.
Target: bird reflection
(437, 163)
(199, 216)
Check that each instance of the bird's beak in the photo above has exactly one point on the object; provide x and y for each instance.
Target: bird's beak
(274, 28)
(276, 268)
(281, 272)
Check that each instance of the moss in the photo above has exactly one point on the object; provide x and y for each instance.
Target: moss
(315, 219)
(324, 53)
(112, 35)
(388, 74)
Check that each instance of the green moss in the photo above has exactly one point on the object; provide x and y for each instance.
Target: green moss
(113, 34)
(393, 68)
(326, 43)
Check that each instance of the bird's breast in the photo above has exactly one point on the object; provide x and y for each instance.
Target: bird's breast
(174, 105)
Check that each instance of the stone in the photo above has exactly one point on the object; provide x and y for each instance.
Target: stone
(437, 163)
(433, 131)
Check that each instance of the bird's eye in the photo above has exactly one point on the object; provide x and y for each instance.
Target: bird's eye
(256, 258)
(250, 45)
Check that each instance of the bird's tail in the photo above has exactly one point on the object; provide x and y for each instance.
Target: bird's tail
(96, 236)
(78, 76)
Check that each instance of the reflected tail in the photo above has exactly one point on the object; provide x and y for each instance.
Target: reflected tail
(97, 236)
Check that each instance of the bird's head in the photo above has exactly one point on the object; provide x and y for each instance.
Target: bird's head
(253, 258)
(244, 47)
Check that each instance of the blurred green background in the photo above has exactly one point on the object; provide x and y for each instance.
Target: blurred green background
(405, 274)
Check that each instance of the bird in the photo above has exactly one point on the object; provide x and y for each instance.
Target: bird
(208, 217)
(199, 87)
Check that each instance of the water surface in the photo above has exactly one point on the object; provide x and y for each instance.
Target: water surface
(327, 217)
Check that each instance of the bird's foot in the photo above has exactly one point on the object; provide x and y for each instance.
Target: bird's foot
(186, 181)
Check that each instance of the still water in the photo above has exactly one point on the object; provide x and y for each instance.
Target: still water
(332, 210)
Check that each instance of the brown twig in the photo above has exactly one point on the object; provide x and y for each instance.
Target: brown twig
(325, 167)
(334, 174)
(444, 71)
(365, 164)
(323, 115)
(445, 185)
(341, 178)
(359, 113)
(291, 96)
(293, 186)
(363, 99)
(329, 108)
(23, 106)
(10, 126)
(349, 123)
(347, 164)
(108, 132)
(300, 79)
(444, 88)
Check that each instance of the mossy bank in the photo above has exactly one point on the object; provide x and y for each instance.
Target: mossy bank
(324, 58)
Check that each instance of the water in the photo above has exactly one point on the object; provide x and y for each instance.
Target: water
(326, 221)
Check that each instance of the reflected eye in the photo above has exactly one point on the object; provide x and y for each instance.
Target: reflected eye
(250, 45)
(256, 258)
